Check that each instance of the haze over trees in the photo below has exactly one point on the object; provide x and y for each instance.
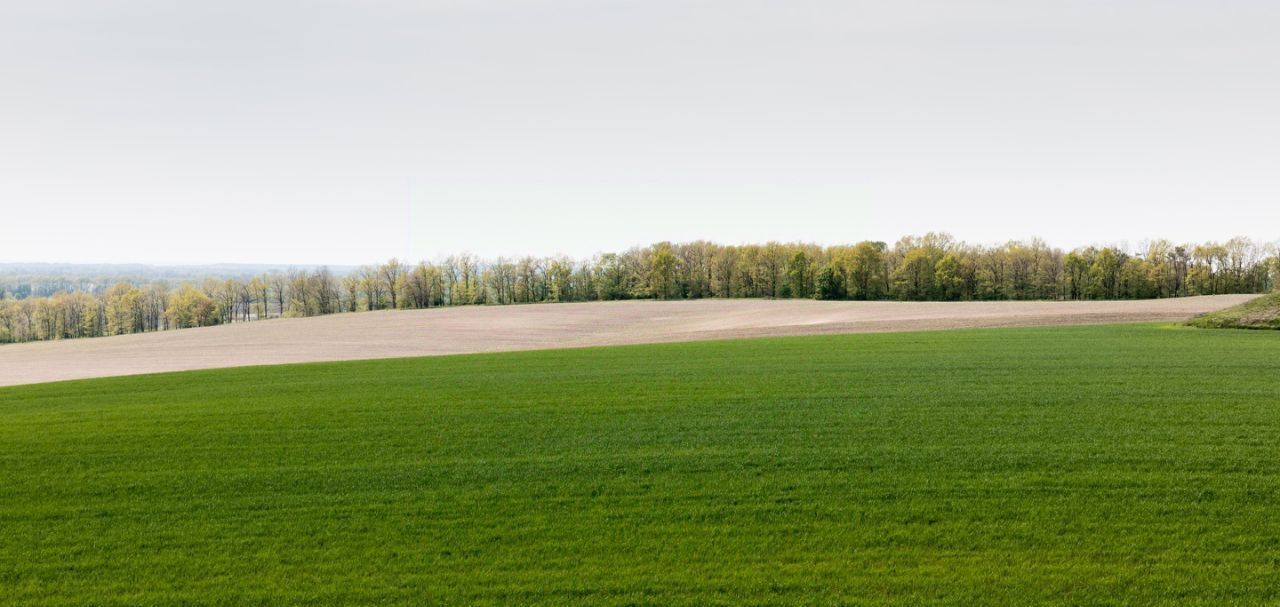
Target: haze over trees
(932, 267)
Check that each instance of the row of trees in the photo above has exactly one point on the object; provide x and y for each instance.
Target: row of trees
(930, 267)
(24, 280)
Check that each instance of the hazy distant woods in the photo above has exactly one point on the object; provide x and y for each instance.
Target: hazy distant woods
(930, 267)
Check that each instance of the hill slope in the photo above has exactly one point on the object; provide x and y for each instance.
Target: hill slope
(1260, 313)
(1071, 465)
(491, 329)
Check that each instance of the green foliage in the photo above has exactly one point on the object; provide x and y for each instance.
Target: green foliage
(915, 278)
(612, 282)
(662, 272)
(831, 284)
(930, 267)
(560, 278)
(867, 277)
(800, 275)
(950, 278)
(1260, 313)
(1120, 465)
(121, 304)
(189, 307)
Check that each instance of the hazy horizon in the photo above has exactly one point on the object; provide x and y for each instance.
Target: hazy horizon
(1133, 246)
(348, 133)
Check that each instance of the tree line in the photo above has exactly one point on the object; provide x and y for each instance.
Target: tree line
(932, 267)
(24, 280)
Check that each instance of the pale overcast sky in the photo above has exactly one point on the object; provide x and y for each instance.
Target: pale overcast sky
(351, 131)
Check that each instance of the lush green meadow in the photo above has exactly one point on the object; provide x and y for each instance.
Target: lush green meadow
(1116, 465)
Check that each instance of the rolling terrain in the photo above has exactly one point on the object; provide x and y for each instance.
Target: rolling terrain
(471, 329)
(1260, 313)
(1099, 465)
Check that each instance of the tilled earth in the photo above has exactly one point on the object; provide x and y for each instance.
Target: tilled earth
(466, 329)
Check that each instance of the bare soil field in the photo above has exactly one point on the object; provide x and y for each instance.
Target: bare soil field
(390, 334)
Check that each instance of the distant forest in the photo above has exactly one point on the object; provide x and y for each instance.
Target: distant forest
(933, 267)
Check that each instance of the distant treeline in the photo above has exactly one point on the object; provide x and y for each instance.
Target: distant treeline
(933, 267)
(23, 280)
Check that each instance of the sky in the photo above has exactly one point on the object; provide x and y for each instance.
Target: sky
(351, 131)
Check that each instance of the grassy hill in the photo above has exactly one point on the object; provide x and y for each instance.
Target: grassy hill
(1069, 466)
(1260, 313)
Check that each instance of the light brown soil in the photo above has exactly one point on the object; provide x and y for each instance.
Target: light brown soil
(488, 329)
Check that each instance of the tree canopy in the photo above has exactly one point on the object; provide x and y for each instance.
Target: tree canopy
(934, 266)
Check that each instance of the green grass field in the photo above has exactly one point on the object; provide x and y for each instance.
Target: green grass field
(1114, 465)
(1260, 313)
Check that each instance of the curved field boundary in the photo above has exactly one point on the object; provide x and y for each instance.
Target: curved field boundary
(470, 329)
